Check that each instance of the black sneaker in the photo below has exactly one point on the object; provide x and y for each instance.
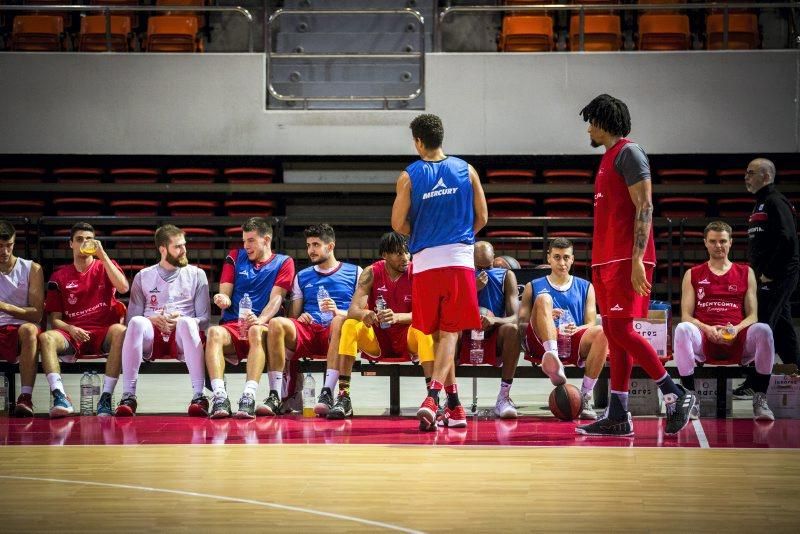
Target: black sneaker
(342, 409)
(271, 405)
(324, 403)
(247, 407)
(199, 406)
(104, 405)
(127, 406)
(679, 410)
(220, 408)
(743, 392)
(607, 427)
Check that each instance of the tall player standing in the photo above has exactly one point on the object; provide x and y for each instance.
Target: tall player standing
(440, 204)
(623, 258)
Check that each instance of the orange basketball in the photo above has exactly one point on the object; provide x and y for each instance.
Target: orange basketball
(565, 402)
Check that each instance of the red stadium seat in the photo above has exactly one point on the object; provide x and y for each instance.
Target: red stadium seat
(130, 269)
(500, 234)
(135, 208)
(510, 176)
(571, 176)
(192, 175)
(82, 175)
(78, 206)
(664, 32)
(742, 31)
(134, 175)
(249, 208)
(93, 34)
(140, 238)
(37, 33)
(677, 207)
(682, 176)
(735, 207)
(17, 175)
(195, 237)
(569, 234)
(602, 33)
(568, 207)
(192, 208)
(22, 208)
(173, 33)
(526, 33)
(234, 231)
(249, 175)
(511, 207)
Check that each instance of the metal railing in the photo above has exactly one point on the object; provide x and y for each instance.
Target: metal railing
(270, 55)
(107, 11)
(583, 8)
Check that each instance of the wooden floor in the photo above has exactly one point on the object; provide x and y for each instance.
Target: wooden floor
(379, 487)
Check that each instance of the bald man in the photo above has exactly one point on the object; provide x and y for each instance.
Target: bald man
(497, 292)
(773, 254)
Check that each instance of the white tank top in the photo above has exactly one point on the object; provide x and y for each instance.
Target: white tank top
(157, 292)
(14, 289)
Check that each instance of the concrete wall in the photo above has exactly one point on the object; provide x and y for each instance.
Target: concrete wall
(492, 104)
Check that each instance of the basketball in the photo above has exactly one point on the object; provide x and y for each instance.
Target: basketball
(565, 402)
(506, 262)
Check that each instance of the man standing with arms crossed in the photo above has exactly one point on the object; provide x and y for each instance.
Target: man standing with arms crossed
(623, 258)
(440, 204)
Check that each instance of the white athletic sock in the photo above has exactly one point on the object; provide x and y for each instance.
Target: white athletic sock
(26, 390)
(187, 337)
(588, 385)
(54, 379)
(331, 377)
(218, 387)
(251, 387)
(109, 384)
(276, 381)
(551, 346)
(139, 333)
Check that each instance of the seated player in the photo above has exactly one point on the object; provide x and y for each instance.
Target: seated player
(307, 330)
(719, 314)
(385, 333)
(548, 298)
(85, 316)
(497, 292)
(266, 278)
(21, 303)
(156, 332)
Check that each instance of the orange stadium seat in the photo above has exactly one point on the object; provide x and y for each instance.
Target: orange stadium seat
(65, 16)
(93, 34)
(661, 2)
(682, 176)
(602, 33)
(572, 176)
(249, 175)
(742, 32)
(678, 207)
(664, 32)
(173, 33)
(134, 176)
(527, 33)
(80, 175)
(249, 208)
(510, 176)
(197, 3)
(37, 33)
(735, 207)
(568, 207)
(135, 208)
(511, 207)
(132, 16)
(192, 175)
(78, 206)
(192, 208)
(16, 175)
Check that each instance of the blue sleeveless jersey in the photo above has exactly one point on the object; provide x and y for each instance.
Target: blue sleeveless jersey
(257, 283)
(573, 299)
(340, 284)
(442, 210)
(492, 297)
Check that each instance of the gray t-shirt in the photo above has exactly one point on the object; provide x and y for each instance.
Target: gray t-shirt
(632, 164)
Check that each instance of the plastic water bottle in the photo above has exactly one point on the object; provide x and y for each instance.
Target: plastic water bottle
(729, 332)
(97, 384)
(564, 338)
(245, 309)
(309, 395)
(476, 347)
(3, 394)
(169, 309)
(380, 305)
(322, 296)
(87, 406)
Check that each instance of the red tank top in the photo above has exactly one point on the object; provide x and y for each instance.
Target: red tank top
(614, 214)
(397, 294)
(719, 299)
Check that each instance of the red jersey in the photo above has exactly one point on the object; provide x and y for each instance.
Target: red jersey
(86, 300)
(719, 299)
(397, 294)
(614, 214)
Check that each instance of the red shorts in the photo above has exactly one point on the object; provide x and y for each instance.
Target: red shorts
(717, 354)
(444, 299)
(534, 350)
(9, 342)
(615, 295)
(241, 346)
(167, 350)
(312, 339)
(489, 348)
(91, 349)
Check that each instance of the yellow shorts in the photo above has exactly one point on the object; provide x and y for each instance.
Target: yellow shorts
(356, 336)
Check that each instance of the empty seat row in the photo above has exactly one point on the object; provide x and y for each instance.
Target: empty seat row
(90, 206)
(663, 176)
(138, 175)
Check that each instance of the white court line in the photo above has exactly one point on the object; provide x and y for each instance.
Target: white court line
(222, 498)
(701, 435)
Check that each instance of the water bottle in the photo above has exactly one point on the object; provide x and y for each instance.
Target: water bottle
(97, 384)
(3, 394)
(476, 347)
(729, 332)
(380, 305)
(564, 338)
(322, 296)
(87, 406)
(245, 309)
(309, 395)
(169, 309)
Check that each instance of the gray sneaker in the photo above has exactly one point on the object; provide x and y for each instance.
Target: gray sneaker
(220, 408)
(587, 413)
(761, 411)
(271, 405)
(247, 407)
(342, 409)
(324, 403)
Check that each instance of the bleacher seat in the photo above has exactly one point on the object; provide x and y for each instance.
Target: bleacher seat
(568, 207)
(132, 16)
(602, 33)
(249, 175)
(135, 208)
(682, 176)
(130, 269)
(742, 31)
(93, 34)
(82, 175)
(496, 237)
(197, 3)
(735, 207)
(65, 16)
(249, 208)
(78, 206)
(511, 207)
(664, 32)
(16, 175)
(526, 33)
(661, 2)
(569, 234)
(134, 175)
(192, 208)
(192, 175)
(571, 176)
(22, 208)
(678, 207)
(37, 33)
(173, 33)
(139, 238)
(510, 176)
(197, 238)
(731, 176)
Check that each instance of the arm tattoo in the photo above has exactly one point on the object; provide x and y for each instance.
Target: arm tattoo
(641, 229)
(366, 279)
